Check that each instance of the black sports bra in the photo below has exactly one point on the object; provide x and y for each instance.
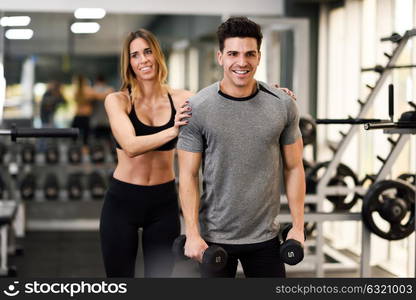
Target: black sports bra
(143, 129)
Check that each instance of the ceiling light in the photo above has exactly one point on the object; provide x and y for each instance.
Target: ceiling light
(15, 21)
(89, 13)
(85, 27)
(19, 34)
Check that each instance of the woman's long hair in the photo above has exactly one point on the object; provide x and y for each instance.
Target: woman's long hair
(128, 77)
(80, 82)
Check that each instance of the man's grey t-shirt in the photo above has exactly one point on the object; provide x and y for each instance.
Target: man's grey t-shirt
(240, 139)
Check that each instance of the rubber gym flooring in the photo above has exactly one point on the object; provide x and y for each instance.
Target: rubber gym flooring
(77, 254)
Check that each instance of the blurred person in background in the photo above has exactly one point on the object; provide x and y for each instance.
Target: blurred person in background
(84, 96)
(99, 121)
(51, 99)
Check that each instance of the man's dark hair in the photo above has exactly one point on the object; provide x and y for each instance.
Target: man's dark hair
(239, 27)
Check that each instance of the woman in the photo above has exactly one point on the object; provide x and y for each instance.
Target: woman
(145, 116)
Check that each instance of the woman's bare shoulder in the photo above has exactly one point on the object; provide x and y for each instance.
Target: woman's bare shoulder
(180, 96)
(120, 99)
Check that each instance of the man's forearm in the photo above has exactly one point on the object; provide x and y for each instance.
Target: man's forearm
(190, 199)
(295, 193)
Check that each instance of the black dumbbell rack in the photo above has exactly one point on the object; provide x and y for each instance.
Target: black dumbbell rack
(12, 210)
(62, 212)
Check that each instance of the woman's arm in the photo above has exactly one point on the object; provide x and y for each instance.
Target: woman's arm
(116, 106)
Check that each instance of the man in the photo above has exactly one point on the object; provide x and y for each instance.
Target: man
(240, 129)
(51, 100)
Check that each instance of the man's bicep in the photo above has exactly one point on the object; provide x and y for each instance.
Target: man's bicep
(291, 132)
(293, 153)
(189, 162)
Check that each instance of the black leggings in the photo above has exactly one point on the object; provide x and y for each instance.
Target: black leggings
(258, 260)
(128, 207)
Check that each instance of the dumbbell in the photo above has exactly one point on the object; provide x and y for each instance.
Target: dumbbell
(291, 251)
(74, 186)
(27, 153)
(97, 153)
(75, 154)
(52, 154)
(3, 151)
(96, 185)
(28, 187)
(214, 257)
(51, 187)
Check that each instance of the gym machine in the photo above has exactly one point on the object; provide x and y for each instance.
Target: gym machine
(393, 200)
(328, 187)
(8, 211)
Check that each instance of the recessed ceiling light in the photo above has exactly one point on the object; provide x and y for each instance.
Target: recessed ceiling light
(15, 21)
(85, 27)
(19, 34)
(89, 13)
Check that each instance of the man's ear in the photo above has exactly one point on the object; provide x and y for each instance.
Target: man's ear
(219, 57)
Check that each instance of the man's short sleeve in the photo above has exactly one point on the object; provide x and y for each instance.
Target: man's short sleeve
(291, 132)
(190, 135)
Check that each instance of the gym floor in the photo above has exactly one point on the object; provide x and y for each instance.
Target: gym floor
(67, 254)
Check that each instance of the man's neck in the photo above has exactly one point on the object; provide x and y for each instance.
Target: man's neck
(238, 92)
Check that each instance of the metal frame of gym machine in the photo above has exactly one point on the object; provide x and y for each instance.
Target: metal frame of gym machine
(8, 209)
(323, 189)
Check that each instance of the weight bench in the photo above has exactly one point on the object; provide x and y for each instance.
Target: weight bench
(8, 211)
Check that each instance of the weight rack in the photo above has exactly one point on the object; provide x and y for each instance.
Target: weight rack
(404, 136)
(65, 212)
(10, 210)
(323, 188)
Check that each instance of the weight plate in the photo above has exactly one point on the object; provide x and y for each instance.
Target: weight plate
(344, 176)
(389, 209)
(411, 178)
